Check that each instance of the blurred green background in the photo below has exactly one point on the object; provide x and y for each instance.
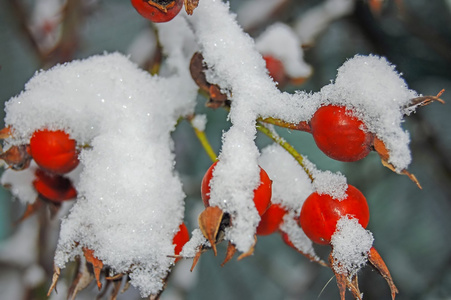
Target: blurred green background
(412, 227)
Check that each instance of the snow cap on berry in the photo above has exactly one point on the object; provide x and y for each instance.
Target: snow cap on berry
(291, 54)
(351, 244)
(376, 93)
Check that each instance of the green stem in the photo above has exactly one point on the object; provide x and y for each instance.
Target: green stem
(204, 141)
(284, 144)
(302, 126)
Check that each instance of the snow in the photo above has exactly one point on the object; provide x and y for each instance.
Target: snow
(375, 92)
(20, 184)
(290, 184)
(130, 201)
(254, 12)
(297, 235)
(143, 47)
(199, 122)
(291, 54)
(107, 102)
(310, 24)
(351, 244)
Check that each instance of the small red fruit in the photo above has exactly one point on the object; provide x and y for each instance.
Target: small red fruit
(54, 151)
(180, 239)
(53, 187)
(158, 11)
(271, 220)
(340, 135)
(320, 213)
(262, 194)
(276, 69)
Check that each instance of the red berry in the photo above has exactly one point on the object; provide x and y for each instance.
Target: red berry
(53, 187)
(262, 194)
(340, 135)
(158, 11)
(320, 213)
(54, 151)
(180, 239)
(276, 69)
(271, 219)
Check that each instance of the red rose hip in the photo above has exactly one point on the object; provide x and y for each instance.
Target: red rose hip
(320, 213)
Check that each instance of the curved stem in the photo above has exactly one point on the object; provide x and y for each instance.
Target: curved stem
(204, 141)
(302, 126)
(284, 144)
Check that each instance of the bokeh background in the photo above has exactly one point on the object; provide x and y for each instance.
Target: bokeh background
(412, 227)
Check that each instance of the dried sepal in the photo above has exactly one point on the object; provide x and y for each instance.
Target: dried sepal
(5, 133)
(97, 264)
(163, 8)
(345, 281)
(378, 263)
(56, 275)
(380, 148)
(250, 251)
(197, 69)
(231, 250)
(81, 281)
(17, 157)
(190, 5)
(426, 100)
(209, 221)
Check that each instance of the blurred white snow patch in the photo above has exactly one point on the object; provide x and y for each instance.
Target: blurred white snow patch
(45, 23)
(199, 122)
(280, 42)
(143, 47)
(34, 275)
(371, 87)
(351, 244)
(254, 12)
(290, 184)
(332, 184)
(315, 20)
(297, 236)
(20, 183)
(21, 248)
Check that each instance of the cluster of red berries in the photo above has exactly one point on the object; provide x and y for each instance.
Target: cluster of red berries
(56, 154)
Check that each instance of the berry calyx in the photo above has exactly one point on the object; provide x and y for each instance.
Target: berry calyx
(54, 151)
(340, 135)
(158, 11)
(271, 220)
(320, 213)
(262, 194)
(53, 187)
(180, 239)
